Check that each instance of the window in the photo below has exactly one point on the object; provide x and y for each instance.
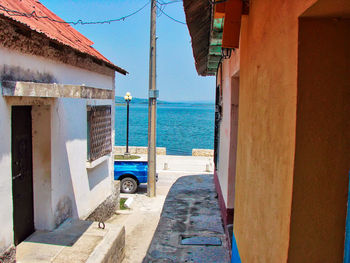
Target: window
(99, 140)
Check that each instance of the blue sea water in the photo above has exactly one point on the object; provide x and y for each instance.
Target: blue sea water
(181, 127)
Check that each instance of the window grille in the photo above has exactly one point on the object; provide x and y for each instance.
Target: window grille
(99, 120)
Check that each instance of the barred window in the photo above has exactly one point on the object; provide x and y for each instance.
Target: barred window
(99, 141)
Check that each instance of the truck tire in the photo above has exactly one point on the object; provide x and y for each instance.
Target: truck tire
(128, 185)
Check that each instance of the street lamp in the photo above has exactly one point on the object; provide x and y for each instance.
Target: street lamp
(127, 98)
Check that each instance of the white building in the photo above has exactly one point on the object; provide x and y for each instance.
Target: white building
(56, 123)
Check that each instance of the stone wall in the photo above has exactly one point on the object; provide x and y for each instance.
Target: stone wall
(107, 208)
(202, 152)
(137, 150)
(8, 256)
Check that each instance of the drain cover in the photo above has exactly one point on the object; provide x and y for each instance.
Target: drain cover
(200, 241)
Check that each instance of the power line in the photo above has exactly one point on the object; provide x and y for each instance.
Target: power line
(160, 5)
(164, 4)
(80, 21)
(175, 20)
(161, 2)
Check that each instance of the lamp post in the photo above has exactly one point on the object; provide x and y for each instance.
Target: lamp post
(127, 98)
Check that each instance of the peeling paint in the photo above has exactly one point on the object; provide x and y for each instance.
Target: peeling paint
(12, 73)
(63, 210)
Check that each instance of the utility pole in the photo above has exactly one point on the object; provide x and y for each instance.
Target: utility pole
(152, 106)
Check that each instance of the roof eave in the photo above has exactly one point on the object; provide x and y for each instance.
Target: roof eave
(198, 19)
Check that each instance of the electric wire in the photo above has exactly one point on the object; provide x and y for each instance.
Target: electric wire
(175, 20)
(80, 21)
(160, 6)
(168, 3)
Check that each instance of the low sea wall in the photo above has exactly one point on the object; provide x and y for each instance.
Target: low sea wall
(160, 151)
(202, 152)
(137, 150)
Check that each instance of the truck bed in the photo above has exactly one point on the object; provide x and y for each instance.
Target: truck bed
(138, 169)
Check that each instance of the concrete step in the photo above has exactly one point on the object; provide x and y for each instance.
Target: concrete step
(75, 242)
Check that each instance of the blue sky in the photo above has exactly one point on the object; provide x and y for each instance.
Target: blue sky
(126, 44)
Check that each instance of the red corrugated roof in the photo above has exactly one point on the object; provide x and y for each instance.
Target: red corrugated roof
(61, 32)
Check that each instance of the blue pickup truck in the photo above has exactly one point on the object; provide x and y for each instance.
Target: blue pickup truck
(131, 174)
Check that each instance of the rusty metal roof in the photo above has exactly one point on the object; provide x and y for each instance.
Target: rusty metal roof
(198, 19)
(63, 33)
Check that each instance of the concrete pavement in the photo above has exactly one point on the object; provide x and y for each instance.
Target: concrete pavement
(142, 219)
(140, 222)
(190, 226)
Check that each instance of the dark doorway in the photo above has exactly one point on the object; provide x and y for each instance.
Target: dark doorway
(22, 173)
(322, 151)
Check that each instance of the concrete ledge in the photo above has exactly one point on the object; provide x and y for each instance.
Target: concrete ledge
(75, 242)
(93, 164)
(137, 150)
(202, 152)
(111, 249)
(48, 90)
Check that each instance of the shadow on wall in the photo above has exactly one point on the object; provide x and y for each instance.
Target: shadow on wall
(72, 182)
(65, 129)
(98, 174)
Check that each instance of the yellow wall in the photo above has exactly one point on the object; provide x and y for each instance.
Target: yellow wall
(267, 123)
(294, 132)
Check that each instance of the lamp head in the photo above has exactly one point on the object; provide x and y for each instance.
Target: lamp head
(128, 96)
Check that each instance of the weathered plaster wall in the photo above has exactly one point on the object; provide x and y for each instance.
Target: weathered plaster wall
(26, 67)
(227, 164)
(6, 235)
(75, 190)
(225, 131)
(41, 130)
(322, 154)
(267, 123)
(16, 36)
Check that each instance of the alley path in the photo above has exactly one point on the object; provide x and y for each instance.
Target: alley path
(190, 227)
(141, 221)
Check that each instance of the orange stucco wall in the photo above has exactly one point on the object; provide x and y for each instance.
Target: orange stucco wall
(322, 154)
(267, 124)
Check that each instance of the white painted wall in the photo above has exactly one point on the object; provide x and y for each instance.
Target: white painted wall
(6, 223)
(64, 73)
(225, 133)
(70, 179)
(227, 143)
(74, 189)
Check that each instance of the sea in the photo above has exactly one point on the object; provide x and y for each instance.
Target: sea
(181, 127)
